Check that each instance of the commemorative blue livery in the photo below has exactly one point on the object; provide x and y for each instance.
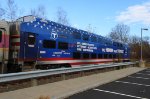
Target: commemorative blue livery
(46, 44)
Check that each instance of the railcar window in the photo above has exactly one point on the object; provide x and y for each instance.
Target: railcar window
(1, 36)
(31, 39)
(105, 55)
(109, 43)
(62, 45)
(93, 55)
(76, 55)
(85, 37)
(114, 56)
(114, 44)
(117, 44)
(110, 55)
(121, 45)
(49, 44)
(76, 35)
(120, 55)
(85, 55)
(106, 43)
(117, 56)
(93, 39)
(99, 39)
(100, 55)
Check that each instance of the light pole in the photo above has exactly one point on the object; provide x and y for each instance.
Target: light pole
(142, 41)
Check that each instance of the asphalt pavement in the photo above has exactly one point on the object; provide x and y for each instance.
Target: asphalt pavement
(135, 86)
(65, 88)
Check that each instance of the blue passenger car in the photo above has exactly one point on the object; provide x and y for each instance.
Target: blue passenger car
(47, 44)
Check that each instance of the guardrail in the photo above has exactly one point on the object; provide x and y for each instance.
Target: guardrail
(40, 73)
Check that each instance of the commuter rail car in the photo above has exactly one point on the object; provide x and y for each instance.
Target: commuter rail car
(45, 44)
(4, 45)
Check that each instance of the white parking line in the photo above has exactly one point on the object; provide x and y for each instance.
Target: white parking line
(143, 74)
(119, 94)
(133, 83)
(138, 77)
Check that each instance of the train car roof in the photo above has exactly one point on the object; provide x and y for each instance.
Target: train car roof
(31, 19)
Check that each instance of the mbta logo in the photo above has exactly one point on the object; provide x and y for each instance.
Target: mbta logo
(54, 35)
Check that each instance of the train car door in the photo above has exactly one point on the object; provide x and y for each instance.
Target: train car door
(2, 50)
(30, 46)
(1, 45)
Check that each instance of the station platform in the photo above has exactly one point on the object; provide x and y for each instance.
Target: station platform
(65, 88)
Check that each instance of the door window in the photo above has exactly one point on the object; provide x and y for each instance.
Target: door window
(31, 40)
(1, 36)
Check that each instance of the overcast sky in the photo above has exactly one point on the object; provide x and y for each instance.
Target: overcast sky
(103, 15)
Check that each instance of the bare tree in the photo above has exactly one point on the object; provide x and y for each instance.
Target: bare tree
(135, 46)
(40, 11)
(120, 33)
(146, 47)
(134, 40)
(62, 16)
(90, 28)
(2, 12)
(11, 10)
(134, 43)
(21, 12)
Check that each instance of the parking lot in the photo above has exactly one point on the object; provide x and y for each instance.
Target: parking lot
(135, 86)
